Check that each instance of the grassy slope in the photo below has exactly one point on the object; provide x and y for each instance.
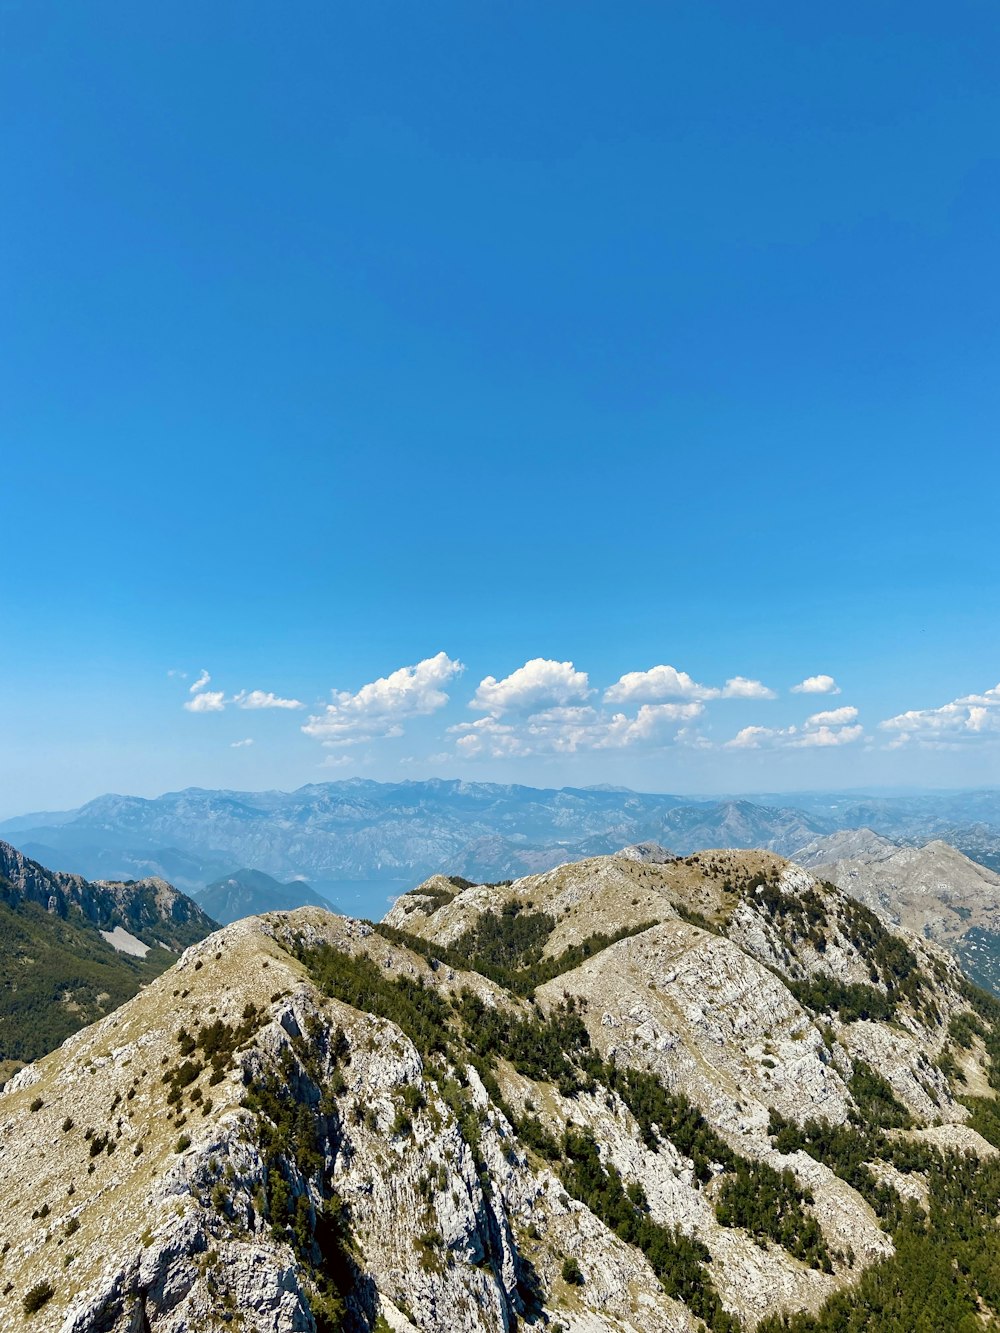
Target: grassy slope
(57, 976)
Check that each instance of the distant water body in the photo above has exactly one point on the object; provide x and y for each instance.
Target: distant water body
(366, 898)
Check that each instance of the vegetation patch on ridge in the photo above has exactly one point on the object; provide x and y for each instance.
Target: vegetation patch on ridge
(506, 948)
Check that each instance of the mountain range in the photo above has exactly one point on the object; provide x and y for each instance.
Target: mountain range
(71, 950)
(249, 892)
(360, 842)
(635, 1094)
(933, 890)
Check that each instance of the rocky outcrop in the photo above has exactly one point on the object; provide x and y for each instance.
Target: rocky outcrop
(933, 890)
(544, 1103)
(150, 909)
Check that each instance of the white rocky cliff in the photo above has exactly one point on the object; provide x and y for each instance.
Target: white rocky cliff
(489, 1114)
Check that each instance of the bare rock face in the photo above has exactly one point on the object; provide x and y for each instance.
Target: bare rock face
(541, 1104)
(149, 908)
(933, 890)
(651, 853)
(856, 844)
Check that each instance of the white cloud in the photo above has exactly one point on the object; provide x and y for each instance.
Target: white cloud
(826, 736)
(567, 730)
(488, 736)
(200, 683)
(214, 701)
(339, 761)
(953, 724)
(833, 717)
(822, 730)
(427, 761)
(211, 701)
(562, 730)
(653, 724)
(660, 683)
(378, 709)
(239, 745)
(741, 688)
(542, 709)
(657, 684)
(539, 684)
(753, 738)
(262, 699)
(816, 685)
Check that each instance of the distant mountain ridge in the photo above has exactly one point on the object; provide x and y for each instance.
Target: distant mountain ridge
(250, 892)
(394, 834)
(934, 891)
(71, 950)
(150, 909)
(363, 830)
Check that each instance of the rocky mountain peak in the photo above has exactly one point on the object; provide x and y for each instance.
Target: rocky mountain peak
(618, 1095)
(859, 844)
(935, 891)
(651, 853)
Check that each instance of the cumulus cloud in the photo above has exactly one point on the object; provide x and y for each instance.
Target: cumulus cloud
(822, 730)
(653, 724)
(203, 680)
(741, 688)
(214, 701)
(953, 724)
(427, 761)
(753, 738)
(539, 684)
(489, 736)
(239, 745)
(569, 729)
(816, 685)
(542, 708)
(211, 701)
(657, 684)
(263, 699)
(833, 717)
(660, 683)
(378, 709)
(560, 730)
(339, 761)
(826, 736)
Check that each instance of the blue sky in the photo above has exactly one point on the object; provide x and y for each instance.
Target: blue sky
(338, 337)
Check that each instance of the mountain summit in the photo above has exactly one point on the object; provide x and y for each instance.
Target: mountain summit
(623, 1096)
(250, 892)
(934, 890)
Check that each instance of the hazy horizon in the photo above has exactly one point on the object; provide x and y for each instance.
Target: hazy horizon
(760, 797)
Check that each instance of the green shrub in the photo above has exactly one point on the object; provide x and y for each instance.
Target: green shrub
(507, 949)
(40, 1294)
(571, 1273)
(964, 1028)
(768, 1204)
(850, 1001)
(876, 1100)
(944, 1275)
